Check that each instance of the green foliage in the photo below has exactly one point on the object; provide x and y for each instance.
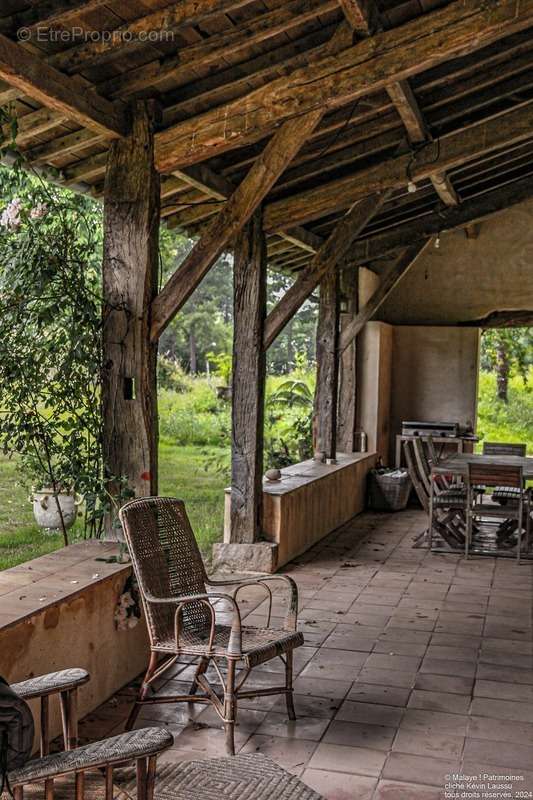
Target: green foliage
(170, 375)
(288, 422)
(507, 352)
(50, 315)
(196, 417)
(223, 365)
(501, 422)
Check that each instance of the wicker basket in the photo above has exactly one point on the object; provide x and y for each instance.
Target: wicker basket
(388, 490)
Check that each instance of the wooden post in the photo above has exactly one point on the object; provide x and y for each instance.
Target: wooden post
(327, 356)
(130, 269)
(248, 392)
(346, 413)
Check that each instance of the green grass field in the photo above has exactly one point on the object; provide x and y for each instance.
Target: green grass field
(196, 415)
(182, 474)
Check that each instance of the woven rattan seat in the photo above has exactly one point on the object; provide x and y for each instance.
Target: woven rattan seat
(249, 776)
(62, 681)
(258, 644)
(184, 619)
(137, 744)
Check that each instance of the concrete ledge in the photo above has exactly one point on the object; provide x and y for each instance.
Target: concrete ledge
(57, 611)
(257, 557)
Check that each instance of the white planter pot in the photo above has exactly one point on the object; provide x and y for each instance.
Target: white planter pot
(46, 512)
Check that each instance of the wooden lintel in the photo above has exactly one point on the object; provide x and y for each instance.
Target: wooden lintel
(265, 171)
(330, 255)
(444, 188)
(472, 231)
(452, 150)
(330, 82)
(389, 280)
(54, 90)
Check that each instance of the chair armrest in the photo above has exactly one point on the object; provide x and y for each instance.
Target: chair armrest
(235, 639)
(141, 743)
(291, 617)
(62, 681)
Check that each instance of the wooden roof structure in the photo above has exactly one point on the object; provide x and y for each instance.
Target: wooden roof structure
(432, 94)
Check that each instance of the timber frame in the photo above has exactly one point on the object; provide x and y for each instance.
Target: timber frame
(309, 136)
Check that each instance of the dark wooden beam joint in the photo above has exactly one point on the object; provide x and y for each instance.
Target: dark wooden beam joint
(248, 382)
(130, 273)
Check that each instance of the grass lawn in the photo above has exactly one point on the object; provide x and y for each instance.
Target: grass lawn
(182, 475)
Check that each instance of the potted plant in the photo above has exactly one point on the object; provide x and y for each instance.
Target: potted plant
(50, 360)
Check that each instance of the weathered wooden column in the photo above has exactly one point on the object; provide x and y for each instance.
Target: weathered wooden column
(327, 357)
(242, 548)
(346, 420)
(130, 269)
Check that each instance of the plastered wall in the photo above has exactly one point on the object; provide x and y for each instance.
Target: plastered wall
(467, 279)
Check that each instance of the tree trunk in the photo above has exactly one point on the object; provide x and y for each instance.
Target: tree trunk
(193, 357)
(130, 269)
(327, 357)
(503, 369)
(248, 392)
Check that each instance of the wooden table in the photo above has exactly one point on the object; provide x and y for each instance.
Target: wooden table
(457, 464)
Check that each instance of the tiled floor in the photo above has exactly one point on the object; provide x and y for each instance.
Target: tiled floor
(416, 668)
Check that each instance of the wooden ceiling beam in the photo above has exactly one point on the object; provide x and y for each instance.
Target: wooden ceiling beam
(329, 82)
(236, 212)
(214, 50)
(56, 91)
(333, 251)
(470, 211)
(45, 15)
(201, 177)
(165, 20)
(450, 151)
(444, 188)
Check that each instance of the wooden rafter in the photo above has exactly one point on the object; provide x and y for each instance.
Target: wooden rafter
(186, 12)
(331, 254)
(459, 28)
(45, 15)
(362, 15)
(446, 219)
(234, 215)
(201, 177)
(54, 90)
(405, 103)
(507, 129)
(213, 51)
(388, 282)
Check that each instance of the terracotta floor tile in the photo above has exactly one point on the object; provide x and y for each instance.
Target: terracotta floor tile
(435, 721)
(339, 785)
(502, 709)
(394, 790)
(355, 734)
(425, 743)
(311, 728)
(500, 730)
(503, 754)
(444, 683)
(370, 713)
(387, 677)
(439, 701)
(374, 693)
(419, 769)
(357, 760)
(320, 687)
(393, 662)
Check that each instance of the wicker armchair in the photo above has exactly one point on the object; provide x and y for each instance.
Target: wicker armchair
(183, 618)
(54, 770)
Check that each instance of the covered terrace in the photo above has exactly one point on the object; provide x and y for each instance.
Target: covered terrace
(381, 153)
